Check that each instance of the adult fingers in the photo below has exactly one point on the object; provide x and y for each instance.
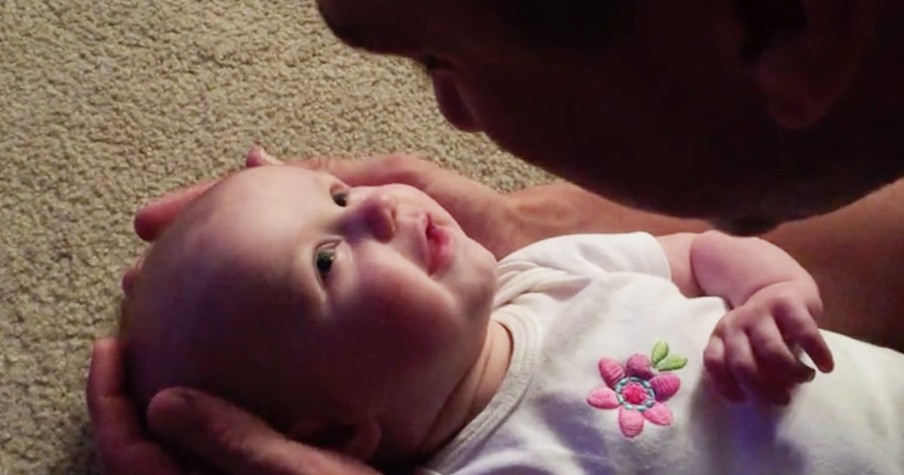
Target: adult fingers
(235, 441)
(376, 170)
(153, 218)
(121, 445)
(258, 157)
(130, 275)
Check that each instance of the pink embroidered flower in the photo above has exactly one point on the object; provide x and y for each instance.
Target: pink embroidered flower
(637, 390)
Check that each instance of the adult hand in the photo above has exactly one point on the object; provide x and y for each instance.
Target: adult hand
(501, 222)
(484, 214)
(208, 428)
(120, 444)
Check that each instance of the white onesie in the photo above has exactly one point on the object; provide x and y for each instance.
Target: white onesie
(607, 377)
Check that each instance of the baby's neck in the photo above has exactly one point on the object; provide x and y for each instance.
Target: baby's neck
(474, 391)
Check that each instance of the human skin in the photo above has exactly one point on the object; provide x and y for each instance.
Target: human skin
(676, 112)
(373, 295)
(822, 109)
(706, 264)
(850, 252)
(248, 229)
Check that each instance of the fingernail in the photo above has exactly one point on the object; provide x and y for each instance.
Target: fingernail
(170, 411)
(269, 158)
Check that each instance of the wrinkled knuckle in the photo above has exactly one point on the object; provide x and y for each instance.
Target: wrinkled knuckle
(773, 348)
(318, 163)
(815, 306)
(711, 360)
(399, 161)
(786, 305)
(799, 328)
(773, 353)
(743, 369)
(724, 325)
(221, 436)
(784, 300)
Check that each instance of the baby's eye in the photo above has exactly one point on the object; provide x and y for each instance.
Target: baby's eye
(340, 198)
(324, 260)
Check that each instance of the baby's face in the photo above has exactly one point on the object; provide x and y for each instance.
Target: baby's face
(387, 297)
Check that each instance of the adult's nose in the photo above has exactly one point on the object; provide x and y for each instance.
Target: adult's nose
(451, 104)
(377, 212)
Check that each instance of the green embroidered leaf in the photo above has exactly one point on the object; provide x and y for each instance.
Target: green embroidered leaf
(672, 363)
(660, 351)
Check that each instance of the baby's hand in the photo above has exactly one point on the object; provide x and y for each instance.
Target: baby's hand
(755, 346)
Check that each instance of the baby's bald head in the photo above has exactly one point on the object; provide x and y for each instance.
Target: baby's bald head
(209, 308)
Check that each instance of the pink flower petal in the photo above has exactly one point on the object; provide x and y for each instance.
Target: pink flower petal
(611, 371)
(630, 422)
(665, 385)
(603, 398)
(659, 414)
(639, 366)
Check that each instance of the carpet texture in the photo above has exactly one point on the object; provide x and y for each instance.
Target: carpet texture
(104, 105)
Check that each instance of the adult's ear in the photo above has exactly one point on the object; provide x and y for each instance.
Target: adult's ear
(805, 53)
(359, 440)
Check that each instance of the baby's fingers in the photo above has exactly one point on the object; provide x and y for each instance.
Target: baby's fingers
(716, 366)
(746, 369)
(800, 328)
(776, 361)
(815, 346)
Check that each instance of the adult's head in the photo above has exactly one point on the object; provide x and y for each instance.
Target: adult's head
(742, 110)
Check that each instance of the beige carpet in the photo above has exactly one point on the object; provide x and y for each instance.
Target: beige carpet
(104, 105)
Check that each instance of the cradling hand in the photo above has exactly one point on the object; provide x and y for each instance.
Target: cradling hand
(223, 436)
(484, 214)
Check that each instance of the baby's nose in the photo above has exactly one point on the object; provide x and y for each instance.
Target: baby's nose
(378, 211)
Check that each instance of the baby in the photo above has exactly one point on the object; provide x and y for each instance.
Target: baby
(364, 320)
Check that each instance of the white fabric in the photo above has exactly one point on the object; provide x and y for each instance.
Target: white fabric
(570, 301)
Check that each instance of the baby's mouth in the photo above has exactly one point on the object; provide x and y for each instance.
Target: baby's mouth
(437, 246)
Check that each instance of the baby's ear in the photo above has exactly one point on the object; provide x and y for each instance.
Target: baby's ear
(359, 440)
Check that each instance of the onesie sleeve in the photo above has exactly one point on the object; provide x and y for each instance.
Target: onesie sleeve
(594, 253)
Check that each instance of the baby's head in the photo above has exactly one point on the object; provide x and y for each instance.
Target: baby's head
(327, 309)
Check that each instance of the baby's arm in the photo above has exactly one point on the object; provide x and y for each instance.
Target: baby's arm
(774, 306)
